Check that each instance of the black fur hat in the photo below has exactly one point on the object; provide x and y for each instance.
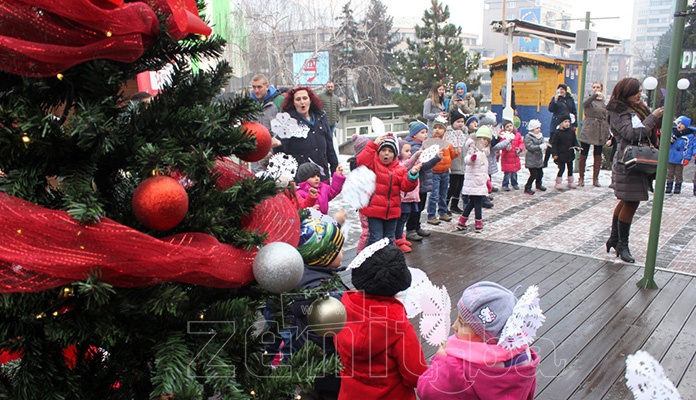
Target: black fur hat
(385, 273)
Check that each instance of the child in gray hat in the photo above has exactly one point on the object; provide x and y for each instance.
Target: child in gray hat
(473, 365)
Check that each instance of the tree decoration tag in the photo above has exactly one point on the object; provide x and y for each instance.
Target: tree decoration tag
(455, 138)
(646, 378)
(282, 167)
(412, 297)
(526, 318)
(287, 127)
(367, 253)
(429, 153)
(378, 127)
(359, 187)
(435, 320)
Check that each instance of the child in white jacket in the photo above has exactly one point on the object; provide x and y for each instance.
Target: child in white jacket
(477, 180)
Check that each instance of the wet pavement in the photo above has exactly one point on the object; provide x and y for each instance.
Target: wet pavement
(574, 221)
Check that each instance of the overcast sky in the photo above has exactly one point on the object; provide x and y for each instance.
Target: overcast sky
(467, 14)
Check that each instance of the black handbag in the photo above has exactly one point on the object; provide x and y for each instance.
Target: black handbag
(641, 158)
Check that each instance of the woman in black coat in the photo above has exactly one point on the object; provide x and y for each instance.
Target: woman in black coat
(303, 104)
(631, 122)
(561, 104)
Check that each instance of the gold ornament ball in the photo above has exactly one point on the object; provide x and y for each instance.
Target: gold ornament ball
(160, 203)
(327, 315)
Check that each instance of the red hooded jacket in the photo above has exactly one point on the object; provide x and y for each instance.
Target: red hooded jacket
(392, 179)
(379, 348)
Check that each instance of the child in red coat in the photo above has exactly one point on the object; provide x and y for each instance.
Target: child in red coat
(380, 351)
(384, 209)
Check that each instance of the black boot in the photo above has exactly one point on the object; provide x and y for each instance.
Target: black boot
(614, 235)
(454, 205)
(677, 187)
(622, 245)
(487, 203)
(669, 187)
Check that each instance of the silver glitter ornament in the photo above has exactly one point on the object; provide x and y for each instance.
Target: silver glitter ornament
(278, 267)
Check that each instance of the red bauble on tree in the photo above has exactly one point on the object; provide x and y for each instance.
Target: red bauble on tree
(263, 141)
(160, 203)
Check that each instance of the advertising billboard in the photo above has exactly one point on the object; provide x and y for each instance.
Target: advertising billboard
(311, 68)
(533, 15)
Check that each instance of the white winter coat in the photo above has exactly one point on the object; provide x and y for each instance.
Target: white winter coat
(476, 173)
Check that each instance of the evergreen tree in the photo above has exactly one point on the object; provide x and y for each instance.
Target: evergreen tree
(437, 55)
(73, 151)
(347, 53)
(381, 40)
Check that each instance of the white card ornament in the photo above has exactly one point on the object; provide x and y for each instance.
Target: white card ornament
(359, 187)
(378, 127)
(435, 320)
(285, 127)
(429, 153)
(367, 253)
(455, 138)
(646, 378)
(636, 122)
(413, 296)
(282, 167)
(526, 318)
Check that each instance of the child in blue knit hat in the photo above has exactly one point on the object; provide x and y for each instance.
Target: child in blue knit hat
(418, 133)
(681, 150)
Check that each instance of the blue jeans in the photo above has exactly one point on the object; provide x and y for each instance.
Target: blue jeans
(438, 197)
(510, 176)
(381, 228)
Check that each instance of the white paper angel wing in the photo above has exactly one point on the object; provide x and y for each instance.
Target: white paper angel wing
(284, 126)
(359, 187)
(378, 127)
(646, 378)
(412, 297)
(429, 153)
(367, 252)
(455, 138)
(282, 167)
(435, 320)
(526, 318)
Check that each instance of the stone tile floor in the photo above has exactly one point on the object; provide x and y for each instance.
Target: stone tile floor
(574, 221)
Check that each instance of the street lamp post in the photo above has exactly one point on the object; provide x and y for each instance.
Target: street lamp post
(682, 85)
(650, 84)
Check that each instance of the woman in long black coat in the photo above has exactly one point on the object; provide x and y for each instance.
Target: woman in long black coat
(303, 104)
(631, 122)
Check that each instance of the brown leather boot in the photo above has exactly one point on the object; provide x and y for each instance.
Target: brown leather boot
(581, 170)
(595, 170)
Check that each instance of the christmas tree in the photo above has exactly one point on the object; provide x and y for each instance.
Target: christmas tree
(128, 239)
(436, 56)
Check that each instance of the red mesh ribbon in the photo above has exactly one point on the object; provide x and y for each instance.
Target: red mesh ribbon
(42, 249)
(45, 37)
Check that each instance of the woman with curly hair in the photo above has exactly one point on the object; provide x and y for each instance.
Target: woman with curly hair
(303, 105)
(631, 122)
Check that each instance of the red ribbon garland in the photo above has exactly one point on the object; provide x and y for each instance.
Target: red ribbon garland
(41, 38)
(42, 249)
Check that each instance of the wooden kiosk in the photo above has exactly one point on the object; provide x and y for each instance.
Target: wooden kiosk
(535, 79)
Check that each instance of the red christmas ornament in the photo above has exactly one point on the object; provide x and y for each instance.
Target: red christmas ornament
(160, 203)
(263, 141)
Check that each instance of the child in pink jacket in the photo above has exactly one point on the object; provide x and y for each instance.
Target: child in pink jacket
(472, 365)
(510, 156)
(313, 190)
